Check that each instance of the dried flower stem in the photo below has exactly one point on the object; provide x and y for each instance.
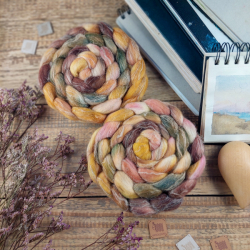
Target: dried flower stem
(117, 237)
(32, 173)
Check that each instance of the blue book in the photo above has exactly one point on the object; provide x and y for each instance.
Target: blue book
(130, 23)
(191, 24)
(181, 50)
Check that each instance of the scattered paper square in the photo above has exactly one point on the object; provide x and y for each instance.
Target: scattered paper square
(157, 229)
(29, 46)
(44, 29)
(220, 243)
(187, 243)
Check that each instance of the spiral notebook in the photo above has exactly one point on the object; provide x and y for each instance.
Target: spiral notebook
(225, 112)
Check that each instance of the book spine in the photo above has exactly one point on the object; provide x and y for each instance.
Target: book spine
(183, 25)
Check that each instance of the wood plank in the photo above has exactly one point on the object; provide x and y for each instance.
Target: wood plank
(52, 122)
(75, 11)
(202, 217)
(205, 186)
(16, 67)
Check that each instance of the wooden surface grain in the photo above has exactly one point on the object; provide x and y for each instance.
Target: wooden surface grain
(210, 210)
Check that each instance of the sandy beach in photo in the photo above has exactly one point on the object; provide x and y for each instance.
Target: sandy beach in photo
(229, 124)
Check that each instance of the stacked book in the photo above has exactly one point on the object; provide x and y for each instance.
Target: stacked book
(176, 34)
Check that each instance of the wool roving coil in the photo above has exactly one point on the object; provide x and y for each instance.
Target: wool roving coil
(146, 157)
(91, 72)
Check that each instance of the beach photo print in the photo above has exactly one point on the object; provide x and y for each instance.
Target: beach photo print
(226, 105)
(231, 107)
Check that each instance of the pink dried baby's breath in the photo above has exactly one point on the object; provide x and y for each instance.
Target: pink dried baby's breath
(32, 173)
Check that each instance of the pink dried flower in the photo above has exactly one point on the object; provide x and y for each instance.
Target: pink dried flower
(48, 246)
(36, 237)
(118, 237)
(31, 173)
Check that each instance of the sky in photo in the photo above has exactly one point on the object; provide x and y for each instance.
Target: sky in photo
(232, 94)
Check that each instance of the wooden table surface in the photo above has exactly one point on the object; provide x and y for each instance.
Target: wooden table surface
(208, 211)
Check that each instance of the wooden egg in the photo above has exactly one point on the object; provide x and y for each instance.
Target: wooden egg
(234, 165)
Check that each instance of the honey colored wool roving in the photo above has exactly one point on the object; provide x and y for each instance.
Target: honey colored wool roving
(146, 157)
(91, 72)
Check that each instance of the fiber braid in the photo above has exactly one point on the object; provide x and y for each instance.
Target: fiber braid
(146, 157)
(91, 72)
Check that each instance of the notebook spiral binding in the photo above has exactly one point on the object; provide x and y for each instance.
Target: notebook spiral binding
(122, 10)
(228, 48)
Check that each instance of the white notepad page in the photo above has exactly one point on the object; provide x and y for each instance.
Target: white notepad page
(226, 103)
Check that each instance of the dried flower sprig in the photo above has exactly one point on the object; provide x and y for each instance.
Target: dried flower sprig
(32, 174)
(17, 106)
(33, 180)
(118, 237)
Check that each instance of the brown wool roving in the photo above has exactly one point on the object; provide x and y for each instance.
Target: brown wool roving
(146, 157)
(91, 72)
